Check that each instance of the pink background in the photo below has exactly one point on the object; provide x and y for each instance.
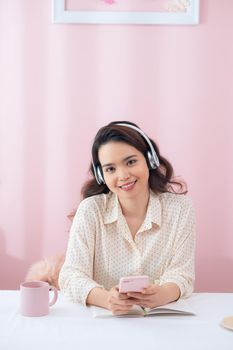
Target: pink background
(60, 83)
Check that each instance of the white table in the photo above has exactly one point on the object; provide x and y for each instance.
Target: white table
(70, 326)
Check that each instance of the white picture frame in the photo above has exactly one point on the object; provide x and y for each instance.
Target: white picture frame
(190, 17)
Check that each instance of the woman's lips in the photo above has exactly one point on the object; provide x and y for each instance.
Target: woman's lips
(129, 186)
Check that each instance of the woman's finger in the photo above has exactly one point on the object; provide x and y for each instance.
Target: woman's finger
(116, 301)
(119, 312)
(152, 289)
(137, 295)
(121, 308)
(140, 301)
(123, 296)
(115, 292)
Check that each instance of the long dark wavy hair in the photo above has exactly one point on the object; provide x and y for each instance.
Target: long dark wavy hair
(161, 179)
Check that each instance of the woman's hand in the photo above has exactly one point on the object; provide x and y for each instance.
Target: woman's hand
(119, 303)
(155, 295)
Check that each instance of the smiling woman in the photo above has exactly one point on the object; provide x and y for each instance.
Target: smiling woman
(134, 220)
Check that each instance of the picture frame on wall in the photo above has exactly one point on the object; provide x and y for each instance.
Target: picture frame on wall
(145, 12)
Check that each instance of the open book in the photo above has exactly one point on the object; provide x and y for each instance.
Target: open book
(180, 307)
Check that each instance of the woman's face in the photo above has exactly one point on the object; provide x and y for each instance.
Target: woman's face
(124, 169)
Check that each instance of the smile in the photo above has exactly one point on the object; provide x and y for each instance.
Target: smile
(128, 186)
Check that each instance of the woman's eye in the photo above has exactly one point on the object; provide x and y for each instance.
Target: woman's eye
(110, 169)
(132, 161)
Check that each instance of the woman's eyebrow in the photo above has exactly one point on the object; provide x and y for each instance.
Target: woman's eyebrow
(108, 164)
(124, 159)
(127, 158)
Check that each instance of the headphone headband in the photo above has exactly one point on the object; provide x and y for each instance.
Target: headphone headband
(154, 154)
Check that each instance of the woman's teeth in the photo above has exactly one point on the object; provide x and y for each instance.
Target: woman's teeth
(127, 186)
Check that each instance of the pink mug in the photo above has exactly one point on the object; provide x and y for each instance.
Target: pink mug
(34, 298)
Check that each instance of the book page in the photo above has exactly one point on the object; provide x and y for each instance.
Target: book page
(100, 312)
(177, 307)
(180, 307)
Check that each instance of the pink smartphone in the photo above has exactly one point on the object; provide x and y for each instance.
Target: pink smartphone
(133, 283)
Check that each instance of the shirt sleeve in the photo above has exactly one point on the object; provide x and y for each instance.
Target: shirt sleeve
(180, 268)
(76, 275)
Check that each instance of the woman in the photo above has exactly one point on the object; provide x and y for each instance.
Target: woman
(132, 221)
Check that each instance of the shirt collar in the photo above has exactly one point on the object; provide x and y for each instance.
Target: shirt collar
(111, 208)
(153, 214)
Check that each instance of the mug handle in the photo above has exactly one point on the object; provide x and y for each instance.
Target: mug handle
(53, 301)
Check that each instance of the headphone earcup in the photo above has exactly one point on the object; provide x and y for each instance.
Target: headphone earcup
(151, 160)
(99, 176)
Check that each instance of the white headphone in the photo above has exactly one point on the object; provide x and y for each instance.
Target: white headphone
(152, 157)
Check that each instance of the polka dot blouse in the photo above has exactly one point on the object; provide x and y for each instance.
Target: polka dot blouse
(101, 248)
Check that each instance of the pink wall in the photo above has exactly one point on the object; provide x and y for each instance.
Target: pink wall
(59, 83)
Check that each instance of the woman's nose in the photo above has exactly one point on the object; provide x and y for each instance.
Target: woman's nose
(123, 174)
